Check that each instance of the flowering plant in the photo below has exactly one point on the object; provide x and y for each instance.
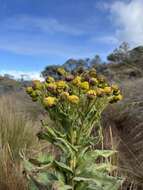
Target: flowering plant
(74, 104)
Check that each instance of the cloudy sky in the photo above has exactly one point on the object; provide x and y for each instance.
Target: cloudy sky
(36, 33)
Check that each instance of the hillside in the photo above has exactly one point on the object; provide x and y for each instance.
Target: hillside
(126, 118)
(9, 85)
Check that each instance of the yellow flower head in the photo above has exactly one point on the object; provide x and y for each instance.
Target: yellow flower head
(118, 97)
(50, 79)
(100, 92)
(64, 95)
(91, 94)
(61, 84)
(115, 87)
(61, 71)
(73, 99)
(37, 85)
(51, 86)
(76, 81)
(108, 90)
(49, 101)
(29, 90)
(116, 90)
(84, 85)
(34, 94)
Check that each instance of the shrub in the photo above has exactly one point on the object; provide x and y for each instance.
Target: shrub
(74, 104)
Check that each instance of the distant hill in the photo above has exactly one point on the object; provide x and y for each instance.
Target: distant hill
(130, 68)
(9, 85)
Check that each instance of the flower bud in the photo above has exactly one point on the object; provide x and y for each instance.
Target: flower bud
(51, 86)
(115, 99)
(49, 101)
(61, 71)
(73, 99)
(99, 92)
(93, 81)
(34, 94)
(64, 95)
(29, 90)
(76, 81)
(116, 90)
(91, 94)
(50, 79)
(69, 78)
(37, 85)
(115, 87)
(84, 85)
(61, 84)
(108, 90)
(118, 97)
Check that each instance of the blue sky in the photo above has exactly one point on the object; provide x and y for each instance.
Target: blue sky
(36, 33)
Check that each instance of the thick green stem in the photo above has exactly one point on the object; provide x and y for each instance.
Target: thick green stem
(73, 159)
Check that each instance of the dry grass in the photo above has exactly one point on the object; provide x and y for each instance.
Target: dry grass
(16, 134)
(11, 177)
(126, 119)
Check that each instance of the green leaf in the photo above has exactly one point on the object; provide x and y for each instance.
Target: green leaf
(42, 135)
(56, 132)
(53, 137)
(83, 152)
(70, 149)
(32, 186)
(63, 166)
(59, 185)
(105, 167)
(102, 153)
(28, 166)
(51, 132)
(59, 134)
(42, 181)
(101, 182)
(80, 179)
(43, 159)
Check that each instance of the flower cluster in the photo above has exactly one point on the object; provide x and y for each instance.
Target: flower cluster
(73, 89)
(74, 103)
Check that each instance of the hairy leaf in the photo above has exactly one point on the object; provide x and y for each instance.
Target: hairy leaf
(63, 166)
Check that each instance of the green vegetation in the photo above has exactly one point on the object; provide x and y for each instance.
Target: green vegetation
(74, 104)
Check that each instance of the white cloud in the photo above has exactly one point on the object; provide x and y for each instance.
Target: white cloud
(34, 75)
(106, 40)
(128, 18)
